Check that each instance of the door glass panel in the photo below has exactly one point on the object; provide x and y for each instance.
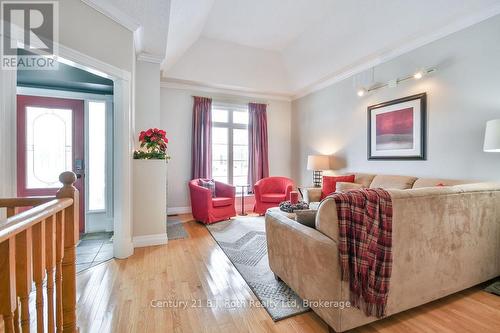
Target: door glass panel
(240, 117)
(219, 152)
(240, 153)
(240, 137)
(220, 135)
(96, 171)
(49, 150)
(240, 157)
(219, 172)
(220, 162)
(220, 116)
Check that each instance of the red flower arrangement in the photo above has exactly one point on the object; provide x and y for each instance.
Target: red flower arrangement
(155, 143)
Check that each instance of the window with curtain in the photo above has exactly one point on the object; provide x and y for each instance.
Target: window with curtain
(230, 144)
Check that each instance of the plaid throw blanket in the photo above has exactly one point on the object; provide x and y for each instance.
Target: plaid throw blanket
(365, 242)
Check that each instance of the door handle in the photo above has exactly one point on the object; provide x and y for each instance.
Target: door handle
(79, 165)
(79, 168)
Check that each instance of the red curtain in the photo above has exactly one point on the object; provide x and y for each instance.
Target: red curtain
(202, 138)
(258, 161)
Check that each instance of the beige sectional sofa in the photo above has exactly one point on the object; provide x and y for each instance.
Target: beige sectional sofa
(445, 239)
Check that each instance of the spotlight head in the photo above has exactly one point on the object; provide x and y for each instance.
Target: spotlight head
(418, 75)
(361, 92)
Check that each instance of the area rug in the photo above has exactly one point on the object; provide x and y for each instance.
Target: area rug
(494, 288)
(243, 240)
(175, 229)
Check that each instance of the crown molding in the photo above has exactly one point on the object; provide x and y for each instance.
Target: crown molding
(389, 54)
(114, 13)
(152, 58)
(224, 89)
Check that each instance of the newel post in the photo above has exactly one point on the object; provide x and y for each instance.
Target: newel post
(71, 236)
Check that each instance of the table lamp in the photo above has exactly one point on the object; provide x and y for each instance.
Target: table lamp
(318, 163)
(492, 136)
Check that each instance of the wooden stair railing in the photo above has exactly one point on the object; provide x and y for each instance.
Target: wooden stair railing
(38, 245)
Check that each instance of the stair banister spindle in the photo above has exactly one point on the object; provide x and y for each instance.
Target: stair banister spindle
(71, 235)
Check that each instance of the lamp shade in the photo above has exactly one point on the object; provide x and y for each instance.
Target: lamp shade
(318, 162)
(492, 136)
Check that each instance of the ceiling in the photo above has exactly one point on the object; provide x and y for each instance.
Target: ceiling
(290, 46)
(264, 24)
(186, 23)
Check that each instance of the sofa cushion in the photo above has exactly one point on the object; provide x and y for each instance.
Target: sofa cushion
(222, 202)
(431, 182)
(364, 179)
(343, 186)
(273, 197)
(330, 184)
(393, 182)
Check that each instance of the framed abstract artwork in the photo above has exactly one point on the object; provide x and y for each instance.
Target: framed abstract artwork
(397, 129)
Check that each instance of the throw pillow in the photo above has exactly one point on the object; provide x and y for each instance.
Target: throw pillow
(330, 184)
(208, 183)
(306, 217)
(344, 186)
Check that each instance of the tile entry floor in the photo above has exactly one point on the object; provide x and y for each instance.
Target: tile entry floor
(93, 249)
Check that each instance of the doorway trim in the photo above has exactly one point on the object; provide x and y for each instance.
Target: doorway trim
(122, 143)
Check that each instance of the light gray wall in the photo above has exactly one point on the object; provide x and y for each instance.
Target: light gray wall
(462, 95)
(176, 119)
(86, 30)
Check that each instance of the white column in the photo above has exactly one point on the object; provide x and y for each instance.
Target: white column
(149, 216)
(122, 240)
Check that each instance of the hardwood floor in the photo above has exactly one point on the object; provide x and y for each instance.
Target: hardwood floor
(117, 296)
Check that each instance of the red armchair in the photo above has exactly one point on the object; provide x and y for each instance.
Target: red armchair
(209, 210)
(270, 192)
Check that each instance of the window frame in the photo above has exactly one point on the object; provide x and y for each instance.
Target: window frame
(230, 126)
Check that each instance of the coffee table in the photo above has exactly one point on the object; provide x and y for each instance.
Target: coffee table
(291, 216)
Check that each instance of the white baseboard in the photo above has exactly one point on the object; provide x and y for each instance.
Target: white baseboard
(150, 240)
(179, 210)
(122, 248)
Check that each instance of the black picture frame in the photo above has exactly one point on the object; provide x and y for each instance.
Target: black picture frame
(423, 128)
